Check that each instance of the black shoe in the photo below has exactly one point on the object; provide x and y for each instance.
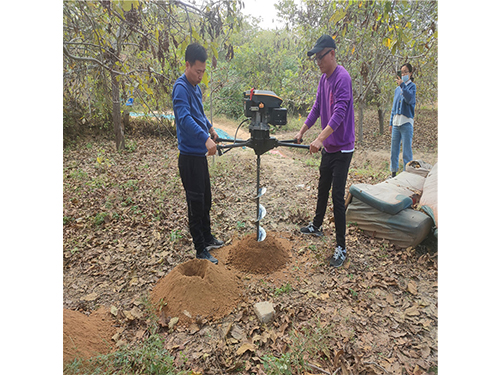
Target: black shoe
(214, 244)
(393, 174)
(204, 254)
(338, 257)
(312, 229)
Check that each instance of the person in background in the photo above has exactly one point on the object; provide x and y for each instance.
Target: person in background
(334, 106)
(402, 114)
(196, 139)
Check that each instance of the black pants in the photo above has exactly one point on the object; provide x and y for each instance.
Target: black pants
(196, 181)
(333, 172)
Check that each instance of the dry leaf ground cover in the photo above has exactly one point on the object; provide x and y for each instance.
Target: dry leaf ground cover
(125, 232)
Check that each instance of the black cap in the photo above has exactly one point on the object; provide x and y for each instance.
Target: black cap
(324, 41)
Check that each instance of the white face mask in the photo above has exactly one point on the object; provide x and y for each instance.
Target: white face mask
(405, 78)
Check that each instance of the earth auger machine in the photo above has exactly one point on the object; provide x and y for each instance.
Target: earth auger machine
(262, 109)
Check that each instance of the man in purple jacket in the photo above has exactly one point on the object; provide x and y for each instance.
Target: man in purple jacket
(334, 105)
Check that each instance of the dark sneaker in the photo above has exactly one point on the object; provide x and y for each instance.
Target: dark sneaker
(312, 229)
(338, 257)
(204, 254)
(214, 244)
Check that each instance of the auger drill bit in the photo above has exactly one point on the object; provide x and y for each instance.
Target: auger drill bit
(261, 211)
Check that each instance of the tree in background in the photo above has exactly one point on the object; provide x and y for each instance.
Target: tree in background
(135, 46)
(374, 38)
(265, 60)
(114, 50)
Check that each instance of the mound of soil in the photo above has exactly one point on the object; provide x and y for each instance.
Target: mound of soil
(197, 289)
(86, 336)
(263, 257)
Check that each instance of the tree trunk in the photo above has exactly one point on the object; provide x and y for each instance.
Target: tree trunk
(117, 120)
(361, 105)
(381, 119)
(380, 109)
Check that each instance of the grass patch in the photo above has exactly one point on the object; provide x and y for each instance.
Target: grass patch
(313, 341)
(79, 174)
(378, 172)
(146, 357)
(284, 289)
(313, 160)
(100, 218)
(294, 123)
(278, 366)
(150, 357)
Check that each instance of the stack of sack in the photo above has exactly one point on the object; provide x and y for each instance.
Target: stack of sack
(385, 210)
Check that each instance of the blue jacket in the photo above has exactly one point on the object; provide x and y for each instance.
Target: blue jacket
(191, 123)
(404, 100)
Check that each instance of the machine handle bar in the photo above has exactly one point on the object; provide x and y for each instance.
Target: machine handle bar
(287, 144)
(231, 140)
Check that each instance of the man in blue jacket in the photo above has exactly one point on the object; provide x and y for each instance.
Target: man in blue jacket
(196, 139)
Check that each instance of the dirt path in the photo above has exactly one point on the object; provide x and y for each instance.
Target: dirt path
(230, 128)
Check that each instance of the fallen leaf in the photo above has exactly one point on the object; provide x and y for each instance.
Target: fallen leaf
(246, 346)
(134, 280)
(426, 323)
(312, 295)
(397, 334)
(237, 332)
(173, 322)
(89, 297)
(128, 315)
(121, 343)
(324, 296)
(412, 311)
(337, 358)
(193, 328)
(345, 371)
(162, 321)
(390, 299)
(256, 338)
(418, 371)
(113, 310)
(226, 329)
(412, 288)
(425, 351)
(136, 312)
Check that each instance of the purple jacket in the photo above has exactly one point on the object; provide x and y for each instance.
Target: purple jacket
(334, 104)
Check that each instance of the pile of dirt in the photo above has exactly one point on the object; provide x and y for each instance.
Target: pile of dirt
(196, 289)
(270, 255)
(86, 336)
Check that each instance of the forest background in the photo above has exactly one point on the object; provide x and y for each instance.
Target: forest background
(38, 86)
(115, 51)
